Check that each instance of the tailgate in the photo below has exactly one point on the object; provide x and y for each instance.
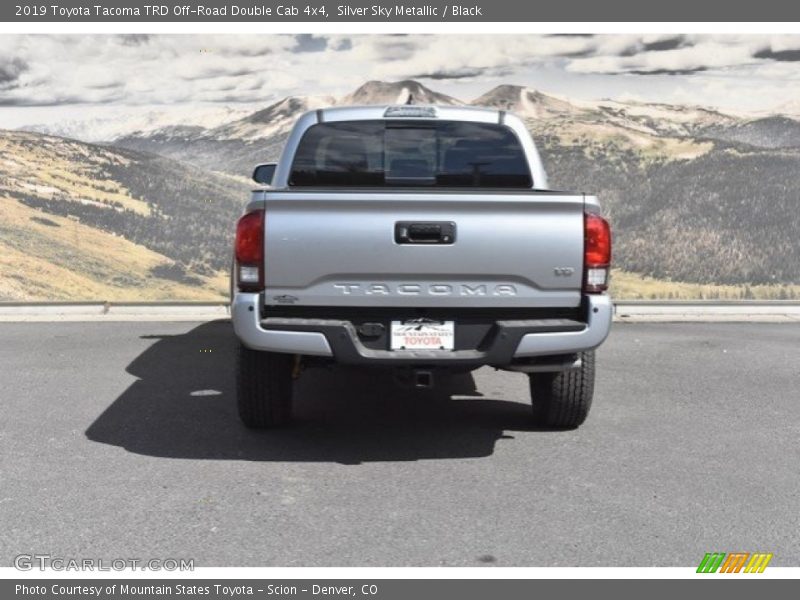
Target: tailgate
(423, 249)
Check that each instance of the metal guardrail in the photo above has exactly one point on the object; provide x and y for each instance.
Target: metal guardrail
(192, 303)
(708, 302)
(113, 311)
(109, 303)
(625, 311)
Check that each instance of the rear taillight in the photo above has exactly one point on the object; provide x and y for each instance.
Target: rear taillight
(250, 252)
(596, 253)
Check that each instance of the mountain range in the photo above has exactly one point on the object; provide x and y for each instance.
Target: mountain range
(671, 131)
(696, 195)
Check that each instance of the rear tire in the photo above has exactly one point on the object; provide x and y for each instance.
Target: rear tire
(264, 388)
(562, 400)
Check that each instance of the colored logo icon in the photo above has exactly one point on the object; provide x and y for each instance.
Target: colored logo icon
(734, 562)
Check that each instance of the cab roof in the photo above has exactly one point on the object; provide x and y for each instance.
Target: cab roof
(411, 111)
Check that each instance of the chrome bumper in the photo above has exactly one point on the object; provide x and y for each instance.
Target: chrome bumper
(246, 316)
(600, 314)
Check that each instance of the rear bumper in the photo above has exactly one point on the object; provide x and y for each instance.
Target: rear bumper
(600, 312)
(338, 339)
(247, 323)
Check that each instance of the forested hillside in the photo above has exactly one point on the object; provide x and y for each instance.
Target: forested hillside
(171, 222)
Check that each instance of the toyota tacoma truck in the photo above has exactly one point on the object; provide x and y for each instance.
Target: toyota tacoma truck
(422, 239)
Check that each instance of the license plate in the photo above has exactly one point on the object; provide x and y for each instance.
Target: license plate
(415, 335)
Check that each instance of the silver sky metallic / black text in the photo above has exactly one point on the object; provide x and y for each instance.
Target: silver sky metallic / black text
(387, 11)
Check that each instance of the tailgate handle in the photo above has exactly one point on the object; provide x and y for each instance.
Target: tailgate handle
(424, 232)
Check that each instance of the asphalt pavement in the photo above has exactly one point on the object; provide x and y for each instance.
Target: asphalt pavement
(120, 440)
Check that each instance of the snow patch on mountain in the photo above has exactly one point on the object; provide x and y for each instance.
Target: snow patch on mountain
(110, 123)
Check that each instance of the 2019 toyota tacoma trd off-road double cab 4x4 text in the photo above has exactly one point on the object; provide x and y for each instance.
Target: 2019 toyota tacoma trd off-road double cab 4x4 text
(418, 238)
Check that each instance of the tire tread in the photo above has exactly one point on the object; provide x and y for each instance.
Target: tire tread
(264, 388)
(562, 400)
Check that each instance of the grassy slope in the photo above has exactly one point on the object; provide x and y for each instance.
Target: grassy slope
(633, 286)
(62, 259)
(45, 256)
(45, 165)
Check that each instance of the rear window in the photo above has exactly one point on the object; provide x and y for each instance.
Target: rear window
(412, 153)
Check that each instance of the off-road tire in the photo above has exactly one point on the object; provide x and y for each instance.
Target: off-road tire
(562, 400)
(264, 388)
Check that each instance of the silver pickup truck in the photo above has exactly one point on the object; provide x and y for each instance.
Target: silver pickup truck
(422, 239)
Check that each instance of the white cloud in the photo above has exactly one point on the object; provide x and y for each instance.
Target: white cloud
(700, 56)
(185, 69)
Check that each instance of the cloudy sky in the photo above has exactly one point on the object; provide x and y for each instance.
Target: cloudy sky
(45, 77)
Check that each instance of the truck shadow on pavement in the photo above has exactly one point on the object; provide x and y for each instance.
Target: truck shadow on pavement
(183, 406)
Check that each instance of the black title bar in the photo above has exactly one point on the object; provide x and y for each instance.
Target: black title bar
(404, 11)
